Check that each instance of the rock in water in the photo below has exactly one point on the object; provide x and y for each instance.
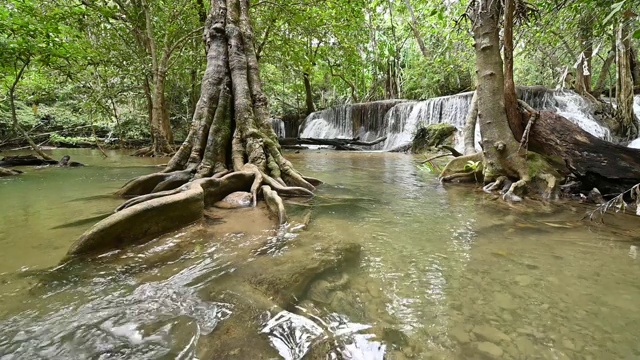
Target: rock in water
(235, 200)
(490, 350)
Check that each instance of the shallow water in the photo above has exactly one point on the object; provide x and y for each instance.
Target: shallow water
(444, 273)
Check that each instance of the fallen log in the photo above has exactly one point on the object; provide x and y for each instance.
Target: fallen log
(25, 160)
(340, 144)
(597, 163)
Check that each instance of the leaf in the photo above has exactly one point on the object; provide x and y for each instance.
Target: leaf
(636, 34)
(615, 8)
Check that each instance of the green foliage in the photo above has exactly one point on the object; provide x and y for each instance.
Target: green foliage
(471, 166)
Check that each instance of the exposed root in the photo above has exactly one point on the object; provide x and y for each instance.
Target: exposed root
(143, 198)
(458, 168)
(143, 152)
(510, 195)
(291, 191)
(154, 183)
(461, 176)
(552, 185)
(313, 181)
(274, 202)
(498, 184)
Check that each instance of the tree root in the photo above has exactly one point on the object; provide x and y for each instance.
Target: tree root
(455, 169)
(274, 202)
(9, 172)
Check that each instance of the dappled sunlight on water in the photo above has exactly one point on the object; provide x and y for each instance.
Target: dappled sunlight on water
(444, 273)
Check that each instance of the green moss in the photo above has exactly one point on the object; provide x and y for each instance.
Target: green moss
(431, 136)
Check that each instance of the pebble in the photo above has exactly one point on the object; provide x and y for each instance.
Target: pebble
(489, 333)
(505, 301)
(525, 346)
(460, 335)
(568, 344)
(489, 349)
(523, 280)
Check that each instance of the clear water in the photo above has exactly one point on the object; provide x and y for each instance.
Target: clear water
(445, 273)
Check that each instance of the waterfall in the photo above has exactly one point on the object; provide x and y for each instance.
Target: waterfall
(365, 121)
(398, 120)
(278, 128)
(636, 109)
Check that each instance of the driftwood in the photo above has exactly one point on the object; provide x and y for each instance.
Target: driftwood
(25, 160)
(31, 160)
(340, 144)
(597, 163)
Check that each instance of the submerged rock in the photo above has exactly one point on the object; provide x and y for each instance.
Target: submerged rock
(238, 199)
(489, 350)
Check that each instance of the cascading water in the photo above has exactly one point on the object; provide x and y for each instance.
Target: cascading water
(279, 128)
(365, 121)
(636, 109)
(400, 121)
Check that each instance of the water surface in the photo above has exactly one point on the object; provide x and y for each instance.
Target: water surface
(445, 273)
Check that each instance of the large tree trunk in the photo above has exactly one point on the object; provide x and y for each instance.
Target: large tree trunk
(500, 149)
(231, 147)
(611, 168)
(510, 97)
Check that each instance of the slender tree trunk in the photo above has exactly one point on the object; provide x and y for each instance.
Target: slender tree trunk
(308, 93)
(510, 97)
(624, 85)
(604, 73)
(414, 28)
(635, 67)
(14, 115)
(470, 126)
(160, 127)
(583, 72)
(499, 147)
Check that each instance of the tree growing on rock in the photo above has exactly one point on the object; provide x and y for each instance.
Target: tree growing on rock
(510, 128)
(231, 147)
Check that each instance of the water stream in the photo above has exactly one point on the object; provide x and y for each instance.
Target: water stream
(444, 273)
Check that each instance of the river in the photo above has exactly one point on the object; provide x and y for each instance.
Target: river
(445, 272)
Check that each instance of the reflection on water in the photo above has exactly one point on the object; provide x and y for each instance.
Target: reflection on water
(445, 273)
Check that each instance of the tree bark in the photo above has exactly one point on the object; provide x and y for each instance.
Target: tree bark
(500, 149)
(414, 29)
(231, 147)
(604, 73)
(583, 72)
(596, 163)
(470, 127)
(624, 85)
(510, 97)
(308, 93)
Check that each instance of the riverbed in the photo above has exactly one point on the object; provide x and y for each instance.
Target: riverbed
(443, 272)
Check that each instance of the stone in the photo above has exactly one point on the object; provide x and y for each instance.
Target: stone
(489, 350)
(489, 333)
(505, 301)
(235, 200)
(568, 344)
(460, 335)
(523, 280)
(526, 347)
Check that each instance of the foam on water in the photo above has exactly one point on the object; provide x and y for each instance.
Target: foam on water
(401, 121)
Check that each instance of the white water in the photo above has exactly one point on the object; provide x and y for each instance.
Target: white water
(636, 108)
(279, 128)
(401, 121)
